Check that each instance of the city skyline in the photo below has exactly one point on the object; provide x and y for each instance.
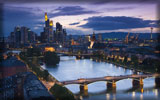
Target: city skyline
(80, 50)
(80, 19)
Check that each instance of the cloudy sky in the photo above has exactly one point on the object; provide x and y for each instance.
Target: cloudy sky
(82, 18)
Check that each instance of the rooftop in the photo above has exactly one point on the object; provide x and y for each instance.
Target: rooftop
(27, 84)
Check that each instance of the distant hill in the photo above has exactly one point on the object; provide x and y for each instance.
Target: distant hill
(122, 35)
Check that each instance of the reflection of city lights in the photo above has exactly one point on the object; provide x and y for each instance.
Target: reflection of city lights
(130, 71)
(81, 98)
(114, 97)
(60, 46)
(156, 92)
(141, 90)
(107, 96)
(141, 97)
(133, 94)
(147, 91)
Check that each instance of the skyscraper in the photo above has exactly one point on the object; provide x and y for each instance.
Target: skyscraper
(17, 37)
(58, 27)
(46, 20)
(21, 36)
(31, 36)
(58, 36)
(24, 35)
(49, 35)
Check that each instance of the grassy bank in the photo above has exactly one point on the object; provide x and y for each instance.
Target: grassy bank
(61, 93)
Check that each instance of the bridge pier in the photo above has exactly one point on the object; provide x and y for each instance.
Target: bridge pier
(137, 82)
(83, 87)
(84, 93)
(111, 86)
(78, 57)
(157, 82)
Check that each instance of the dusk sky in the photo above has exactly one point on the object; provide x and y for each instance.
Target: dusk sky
(82, 18)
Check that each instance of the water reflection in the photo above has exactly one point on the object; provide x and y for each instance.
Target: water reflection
(70, 69)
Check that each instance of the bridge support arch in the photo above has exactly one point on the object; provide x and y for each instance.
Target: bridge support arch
(138, 82)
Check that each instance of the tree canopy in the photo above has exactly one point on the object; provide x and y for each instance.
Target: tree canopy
(51, 58)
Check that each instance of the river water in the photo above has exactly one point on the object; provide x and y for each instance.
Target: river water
(69, 69)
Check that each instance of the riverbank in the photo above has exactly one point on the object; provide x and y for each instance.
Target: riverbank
(50, 82)
(124, 66)
(71, 69)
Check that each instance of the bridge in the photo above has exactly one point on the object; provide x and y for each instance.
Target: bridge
(78, 55)
(111, 80)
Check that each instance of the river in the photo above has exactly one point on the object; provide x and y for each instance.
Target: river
(69, 69)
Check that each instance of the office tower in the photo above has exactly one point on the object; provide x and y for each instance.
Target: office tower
(59, 33)
(46, 20)
(43, 37)
(49, 35)
(24, 35)
(31, 36)
(17, 37)
(58, 27)
(64, 35)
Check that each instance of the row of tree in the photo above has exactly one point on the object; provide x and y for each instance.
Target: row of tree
(34, 66)
(148, 64)
(50, 58)
(33, 56)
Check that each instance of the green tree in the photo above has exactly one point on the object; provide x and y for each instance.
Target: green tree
(61, 93)
(51, 58)
(125, 60)
(151, 64)
(45, 74)
(134, 60)
(33, 52)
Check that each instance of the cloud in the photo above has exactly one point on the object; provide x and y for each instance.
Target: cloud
(118, 22)
(72, 31)
(71, 10)
(16, 16)
(76, 23)
(99, 2)
(80, 1)
(118, 9)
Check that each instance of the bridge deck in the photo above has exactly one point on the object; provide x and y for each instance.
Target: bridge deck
(107, 78)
